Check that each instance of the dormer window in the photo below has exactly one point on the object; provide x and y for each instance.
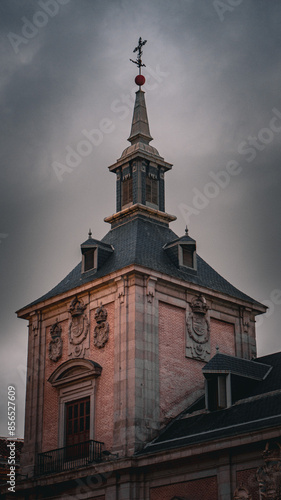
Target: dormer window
(94, 253)
(229, 378)
(218, 393)
(127, 191)
(187, 256)
(89, 259)
(182, 252)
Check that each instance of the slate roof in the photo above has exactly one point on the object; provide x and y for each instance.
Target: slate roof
(261, 409)
(239, 419)
(182, 239)
(91, 242)
(221, 363)
(140, 241)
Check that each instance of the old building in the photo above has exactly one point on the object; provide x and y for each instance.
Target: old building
(143, 381)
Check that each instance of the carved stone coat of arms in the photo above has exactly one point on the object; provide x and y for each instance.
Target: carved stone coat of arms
(101, 331)
(55, 345)
(269, 475)
(78, 329)
(198, 330)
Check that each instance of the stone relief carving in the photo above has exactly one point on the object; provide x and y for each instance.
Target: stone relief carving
(55, 345)
(242, 493)
(150, 289)
(101, 331)
(246, 321)
(198, 330)
(34, 323)
(269, 475)
(78, 329)
(120, 283)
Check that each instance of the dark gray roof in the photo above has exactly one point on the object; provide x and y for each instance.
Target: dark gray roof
(222, 363)
(140, 241)
(261, 409)
(91, 242)
(239, 419)
(182, 239)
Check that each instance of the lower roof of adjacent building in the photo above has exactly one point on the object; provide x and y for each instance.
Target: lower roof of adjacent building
(260, 410)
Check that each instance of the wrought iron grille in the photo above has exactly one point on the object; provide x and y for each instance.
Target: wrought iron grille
(69, 457)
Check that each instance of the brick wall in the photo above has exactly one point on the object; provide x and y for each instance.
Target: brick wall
(222, 335)
(50, 413)
(104, 389)
(248, 479)
(203, 489)
(104, 386)
(180, 376)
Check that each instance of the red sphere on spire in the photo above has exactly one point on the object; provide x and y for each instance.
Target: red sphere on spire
(140, 80)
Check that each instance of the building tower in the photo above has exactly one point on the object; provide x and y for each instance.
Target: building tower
(116, 349)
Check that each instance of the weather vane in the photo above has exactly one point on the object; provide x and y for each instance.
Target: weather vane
(140, 79)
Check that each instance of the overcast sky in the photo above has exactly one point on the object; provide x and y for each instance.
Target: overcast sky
(214, 105)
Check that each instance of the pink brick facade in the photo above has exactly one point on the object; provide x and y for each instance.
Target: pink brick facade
(223, 337)
(180, 376)
(248, 477)
(201, 489)
(104, 397)
(146, 378)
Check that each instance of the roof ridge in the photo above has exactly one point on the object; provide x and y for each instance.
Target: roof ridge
(256, 397)
(242, 359)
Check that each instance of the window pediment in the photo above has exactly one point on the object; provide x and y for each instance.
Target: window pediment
(182, 253)
(74, 370)
(94, 254)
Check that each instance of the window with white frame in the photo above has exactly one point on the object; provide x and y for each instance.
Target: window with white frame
(75, 381)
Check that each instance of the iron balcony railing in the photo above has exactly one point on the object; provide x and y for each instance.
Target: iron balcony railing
(69, 457)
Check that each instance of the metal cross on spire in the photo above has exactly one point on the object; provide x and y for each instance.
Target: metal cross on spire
(138, 61)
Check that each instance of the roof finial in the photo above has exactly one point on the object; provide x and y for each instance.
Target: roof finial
(90, 233)
(140, 79)
(217, 349)
(186, 230)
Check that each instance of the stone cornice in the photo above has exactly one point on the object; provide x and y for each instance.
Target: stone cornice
(138, 208)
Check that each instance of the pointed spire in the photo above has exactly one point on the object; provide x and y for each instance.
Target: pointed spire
(140, 127)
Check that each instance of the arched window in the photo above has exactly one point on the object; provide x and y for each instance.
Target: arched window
(75, 382)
